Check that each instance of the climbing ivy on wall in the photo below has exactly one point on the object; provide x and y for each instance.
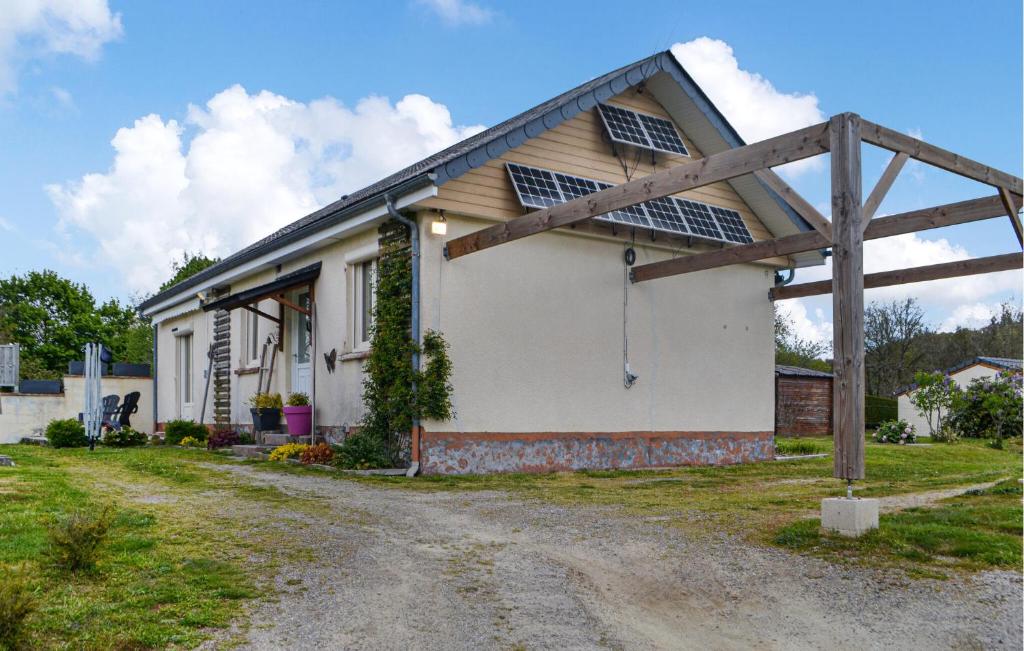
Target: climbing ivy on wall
(390, 402)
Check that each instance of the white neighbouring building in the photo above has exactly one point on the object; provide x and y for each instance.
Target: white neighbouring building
(961, 374)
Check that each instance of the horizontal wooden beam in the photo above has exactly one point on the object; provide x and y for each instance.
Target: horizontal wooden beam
(892, 170)
(722, 166)
(910, 222)
(799, 204)
(941, 158)
(1005, 262)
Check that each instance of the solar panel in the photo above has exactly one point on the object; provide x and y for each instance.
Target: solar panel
(699, 219)
(539, 188)
(536, 188)
(623, 125)
(663, 134)
(665, 215)
(631, 215)
(733, 228)
(642, 130)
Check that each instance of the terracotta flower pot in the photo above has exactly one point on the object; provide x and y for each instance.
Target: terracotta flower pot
(299, 419)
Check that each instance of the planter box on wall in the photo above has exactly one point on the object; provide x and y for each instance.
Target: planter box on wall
(39, 386)
(131, 370)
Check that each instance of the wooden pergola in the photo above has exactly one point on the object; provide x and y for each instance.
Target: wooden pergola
(851, 224)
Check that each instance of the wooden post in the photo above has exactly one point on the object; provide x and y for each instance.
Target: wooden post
(847, 298)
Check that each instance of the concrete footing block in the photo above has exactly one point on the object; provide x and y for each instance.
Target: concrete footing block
(848, 516)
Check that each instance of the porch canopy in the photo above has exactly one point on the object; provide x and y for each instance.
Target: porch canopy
(276, 290)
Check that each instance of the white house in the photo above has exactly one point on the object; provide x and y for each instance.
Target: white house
(540, 330)
(961, 374)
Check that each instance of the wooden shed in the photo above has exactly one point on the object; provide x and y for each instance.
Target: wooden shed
(803, 402)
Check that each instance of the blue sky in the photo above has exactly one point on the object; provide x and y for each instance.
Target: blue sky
(70, 81)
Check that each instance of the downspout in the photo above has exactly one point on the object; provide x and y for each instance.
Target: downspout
(156, 413)
(414, 230)
(782, 282)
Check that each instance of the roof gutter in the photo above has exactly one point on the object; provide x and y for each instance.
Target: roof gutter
(212, 276)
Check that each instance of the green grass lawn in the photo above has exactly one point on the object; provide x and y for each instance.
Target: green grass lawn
(173, 566)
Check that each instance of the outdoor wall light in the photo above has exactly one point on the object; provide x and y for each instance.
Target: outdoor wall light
(440, 225)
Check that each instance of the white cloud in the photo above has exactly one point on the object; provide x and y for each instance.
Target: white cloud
(6, 225)
(818, 328)
(458, 12)
(749, 101)
(237, 169)
(30, 29)
(971, 315)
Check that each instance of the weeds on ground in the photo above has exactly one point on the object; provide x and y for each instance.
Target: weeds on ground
(75, 539)
(16, 603)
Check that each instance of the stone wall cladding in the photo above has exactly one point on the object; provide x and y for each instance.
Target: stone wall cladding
(447, 453)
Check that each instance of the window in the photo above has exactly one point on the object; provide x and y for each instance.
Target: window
(364, 288)
(185, 368)
(251, 335)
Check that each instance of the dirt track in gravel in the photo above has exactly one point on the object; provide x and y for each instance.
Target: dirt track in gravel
(484, 570)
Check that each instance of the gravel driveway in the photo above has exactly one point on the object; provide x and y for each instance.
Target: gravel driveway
(481, 570)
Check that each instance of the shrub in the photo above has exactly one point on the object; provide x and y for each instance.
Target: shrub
(190, 442)
(155, 440)
(320, 453)
(245, 438)
(176, 430)
(795, 448)
(361, 451)
(896, 431)
(945, 434)
(298, 400)
(16, 603)
(988, 408)
(287, 451)
(260, 401)
(877, 410)
(75, 539)
(125, 437)
(223, 439)
(66, 433)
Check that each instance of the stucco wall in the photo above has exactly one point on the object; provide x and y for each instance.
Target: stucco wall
(908, 411)
(536, 334)
(27, 414)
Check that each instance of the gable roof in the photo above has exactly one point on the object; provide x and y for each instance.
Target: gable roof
(1003, 363)
(476, 150)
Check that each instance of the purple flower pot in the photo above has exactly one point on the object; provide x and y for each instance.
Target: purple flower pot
(299, 419)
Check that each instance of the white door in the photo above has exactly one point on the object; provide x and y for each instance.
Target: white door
(302, 339)
(186, 388)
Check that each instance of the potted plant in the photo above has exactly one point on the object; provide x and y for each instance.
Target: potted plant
(266, 411)
(299, 414)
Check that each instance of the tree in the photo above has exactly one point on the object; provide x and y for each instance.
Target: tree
(890, 354)
(791, 350)
(935, 393)
(189, 265)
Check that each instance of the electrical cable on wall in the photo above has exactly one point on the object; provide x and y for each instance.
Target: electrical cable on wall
(628, 259)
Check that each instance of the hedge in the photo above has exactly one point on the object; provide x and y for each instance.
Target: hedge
(878, 410)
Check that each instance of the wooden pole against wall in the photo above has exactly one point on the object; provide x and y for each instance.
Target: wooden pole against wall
(847, 297)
